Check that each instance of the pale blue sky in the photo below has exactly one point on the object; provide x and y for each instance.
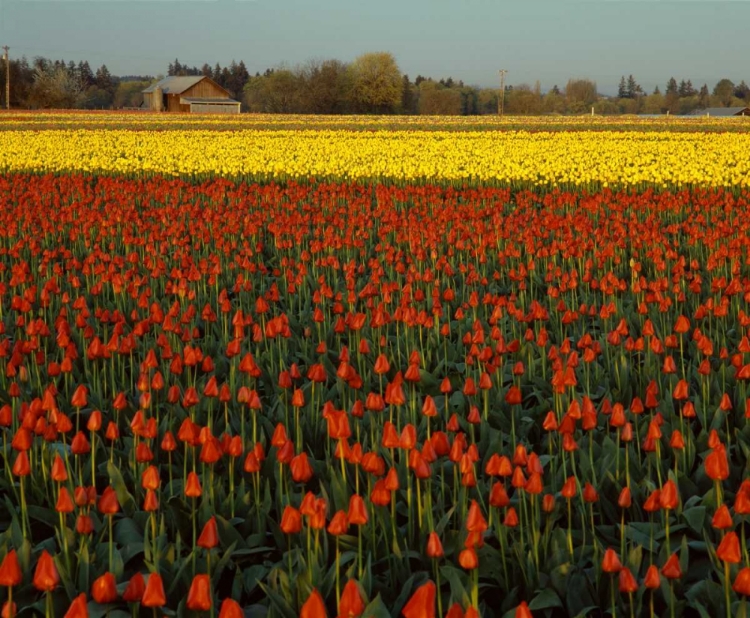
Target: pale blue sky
(703, 40)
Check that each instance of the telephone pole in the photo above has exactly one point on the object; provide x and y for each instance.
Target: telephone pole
(6, 57)
(501, 98)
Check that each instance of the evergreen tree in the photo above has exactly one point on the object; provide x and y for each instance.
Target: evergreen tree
(217, 74)
(742, 91)
(407, 96)
(622, 89)
(683, 90)
(104, 80)
(85, 74)
(206, 70)
(555, 90)
(633, 89)
(703, 97)
(671, 86)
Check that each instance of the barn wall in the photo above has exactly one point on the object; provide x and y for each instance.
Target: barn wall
(207, 108)
(173, 104)
(205, 90)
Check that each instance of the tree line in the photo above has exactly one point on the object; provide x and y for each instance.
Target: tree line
(371, 84)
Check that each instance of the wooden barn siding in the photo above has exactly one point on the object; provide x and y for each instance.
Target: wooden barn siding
(173, 103)
(205, 90)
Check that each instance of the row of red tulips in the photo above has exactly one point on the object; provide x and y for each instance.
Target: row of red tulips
(368, 401)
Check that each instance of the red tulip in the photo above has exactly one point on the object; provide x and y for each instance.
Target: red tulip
(717, 466)
(209, 537)
(104, 589)
(231, 609)
(351, 604)
(314, 607)
(153, 595)
(422, 602)
(134, 591)
(611, 562)
(434, 546)
(10, 570)
(652, 580)
(357, 511)
(291, 521)
(46, 576)
(627, 583)
(108, 503)
(729, 549)
(742, 582)
(523, 611)
(671, 568)
(78, 608)
(199, 595)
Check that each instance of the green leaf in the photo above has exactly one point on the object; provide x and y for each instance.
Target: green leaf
(694, 517)
(376, 609)
(545, 599)
(124, 497)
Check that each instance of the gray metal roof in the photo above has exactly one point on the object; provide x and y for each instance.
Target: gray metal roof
(723, 111)
(214, 101)
(175, 84)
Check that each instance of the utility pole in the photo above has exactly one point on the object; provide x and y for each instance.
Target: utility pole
(501, 98)
(6, 57)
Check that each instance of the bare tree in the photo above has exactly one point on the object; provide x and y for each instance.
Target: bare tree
(55, 87)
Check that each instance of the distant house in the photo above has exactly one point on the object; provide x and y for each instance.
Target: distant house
(194, 94)
(722, 111)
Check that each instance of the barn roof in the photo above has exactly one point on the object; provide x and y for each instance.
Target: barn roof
(723, 111)
(186, 100)
(176, 84)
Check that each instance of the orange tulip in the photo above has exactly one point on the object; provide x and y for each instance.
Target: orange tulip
(301, 469)
(468, 559)
(351, 604)
(627, 583)
(422, 602)
(46, 577)
(199, 595)
(611, 562)
(10, 570)
(153, 595)
(729, 549)
(291, 521)
(671, 568)
(717, 466)
(209, 537)
(104, 589)
(357, 511)
(742, 582)
(523, 611)
(669, 497)
(314, 607)
(652, 580)
(108, 503)
(78, 608)
(231, 609)
(134, 591)
(193, 487)
(434, 546)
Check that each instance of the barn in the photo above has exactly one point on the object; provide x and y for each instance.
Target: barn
(193, 94)
(723, 112)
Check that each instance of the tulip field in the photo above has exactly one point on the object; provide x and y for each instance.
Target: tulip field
(278, 372)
